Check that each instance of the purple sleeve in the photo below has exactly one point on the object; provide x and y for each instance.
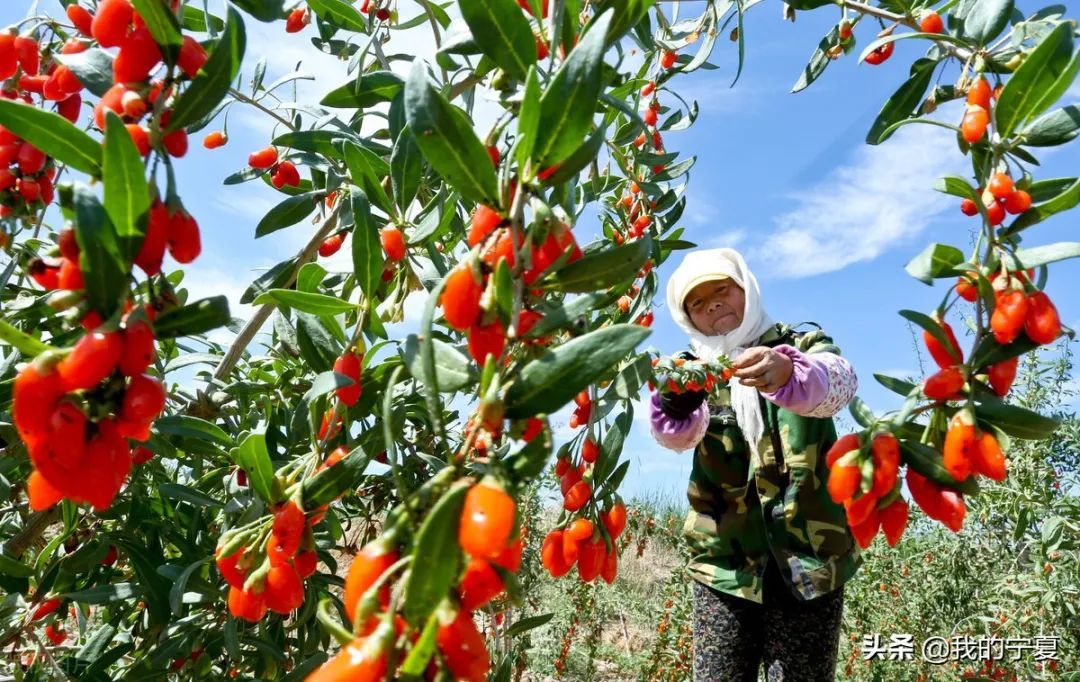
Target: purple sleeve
(820, 384)
(677, 434)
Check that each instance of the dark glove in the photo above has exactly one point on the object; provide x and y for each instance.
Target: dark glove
(681, 405)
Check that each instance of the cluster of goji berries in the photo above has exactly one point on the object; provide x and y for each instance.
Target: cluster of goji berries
(588, 543)
(487, 532)
(677, 374)
(77, 411)
(1000, 197)
(27, 70)
(465, 303)
(879, 507)
(135, 93)
(269, 575)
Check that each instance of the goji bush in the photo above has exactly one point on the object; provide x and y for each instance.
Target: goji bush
(207, 529)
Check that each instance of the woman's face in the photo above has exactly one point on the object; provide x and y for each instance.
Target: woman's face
(716, 307)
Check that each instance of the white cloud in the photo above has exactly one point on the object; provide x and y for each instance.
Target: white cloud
(884, 196)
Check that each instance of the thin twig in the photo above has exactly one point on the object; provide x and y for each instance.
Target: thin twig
(259, 105)
(232, 356)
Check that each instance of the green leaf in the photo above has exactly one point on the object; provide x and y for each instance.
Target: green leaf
(1050, 253)
(1014, 420)
(903, 102)
(895, 385)
(569, 102)
(526, 624)
(936, 260)
(990, 352)
(185, 493)
(580, 158)
(528, 119)
(192, 427)
(106, 594)
(861, 412)
(553, 379)
(176, 592)
(104, 269)
(1053, 128)
(52, 134)
(161, 21)
(127, 201)
(212, 83)
(445, 135)
(429, 581)
(956, 186)
(406, 169)
(604, 268)
(927, 461)
(417, 661)
(529, 462)
(453, 371)
(29, 346)
(502, 32)
(1033, 87)
(316, 304)
(93, 68)
(323, 141)
(263, 10)
(339, 13)
(367, 90)
(367, 254)
(815, 66)
(367, 171)
(194, 318)
(569, 313)
(195, 19)
(289, 212)
(927, 323)
(330, 483)
(14, 568)
(983, 20)
(252, 456)
(1064, 201)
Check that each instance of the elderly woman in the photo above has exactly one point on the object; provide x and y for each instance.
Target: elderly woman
(770, 551)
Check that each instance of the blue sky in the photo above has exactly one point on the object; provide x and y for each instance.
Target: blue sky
(825, 221)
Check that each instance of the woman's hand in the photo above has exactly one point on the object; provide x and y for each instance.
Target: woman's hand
(763, 368)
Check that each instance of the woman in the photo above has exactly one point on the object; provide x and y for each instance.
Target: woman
(770, 551)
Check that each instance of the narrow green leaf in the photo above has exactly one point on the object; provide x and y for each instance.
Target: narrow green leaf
(367, 254)
(569, 102)
(192, 427)
(815, 66)
(316, 304)
(289, 212)
(330, 483)
(127, 200)
(603, 268)
(551, 380)
(429, 581)
(52, 134)
(526, 624)
(936, 260)
(252, 456)
(176, 592)
(339, 13)
(104, 269)
(368, 90)
(528, 119)
(106, 594)
(453, 370)
(185, 493)
(1050, 253)
(502, 32)
(194, 318)
(1053, 128)
(1024, 94)
(212, 83)
(161, 21)
(983, 20)
(1064, 201)
(263, 10)
(406, 169)
(29, 346)
(927, 461)
(367, 171)
(446, 137)
(93, 67)
(14, 568)
(903, 102)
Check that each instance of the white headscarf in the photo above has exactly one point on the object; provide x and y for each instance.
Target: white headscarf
(711, 264)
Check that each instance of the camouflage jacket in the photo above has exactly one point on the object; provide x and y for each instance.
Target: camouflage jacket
(741, 514)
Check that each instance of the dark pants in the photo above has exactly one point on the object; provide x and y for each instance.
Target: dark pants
(796, 640)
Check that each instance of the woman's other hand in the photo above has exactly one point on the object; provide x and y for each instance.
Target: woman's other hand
(765, 369)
